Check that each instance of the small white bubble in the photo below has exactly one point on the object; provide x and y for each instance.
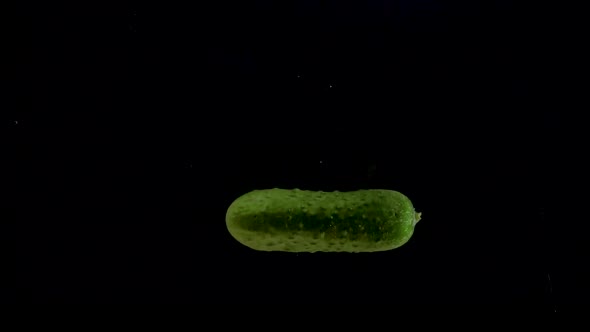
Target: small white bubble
(15, 122)
(330, 86)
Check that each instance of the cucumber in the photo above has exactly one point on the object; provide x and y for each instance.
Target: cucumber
(296, 220)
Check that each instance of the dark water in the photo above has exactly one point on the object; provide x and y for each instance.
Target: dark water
(147, 122)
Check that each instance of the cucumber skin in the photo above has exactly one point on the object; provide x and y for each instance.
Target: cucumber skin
(296, 220)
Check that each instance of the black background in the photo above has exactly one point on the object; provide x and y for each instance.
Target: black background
(145, 122)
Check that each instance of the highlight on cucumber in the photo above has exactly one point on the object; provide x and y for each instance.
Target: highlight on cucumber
(294, 220)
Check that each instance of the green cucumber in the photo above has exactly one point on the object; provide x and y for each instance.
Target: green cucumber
(296, 220)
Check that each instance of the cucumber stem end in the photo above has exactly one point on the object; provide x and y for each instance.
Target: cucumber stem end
(417, 217)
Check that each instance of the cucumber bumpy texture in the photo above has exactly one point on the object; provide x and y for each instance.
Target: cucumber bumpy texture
(296, 220)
